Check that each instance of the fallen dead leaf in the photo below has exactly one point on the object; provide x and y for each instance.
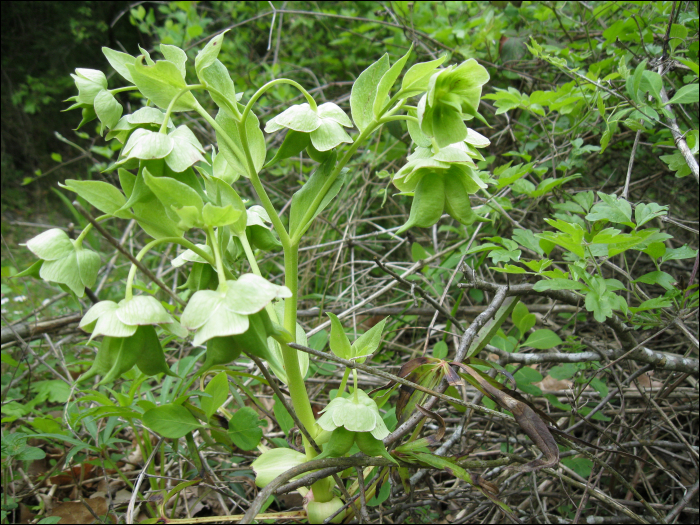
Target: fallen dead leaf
(548, 383)
(77, 512)
(646, 382)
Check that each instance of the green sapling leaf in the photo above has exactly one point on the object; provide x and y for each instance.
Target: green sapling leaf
(244, 428)
(643, 213)
(340, 345)
(364, 92)
(543, 339)
(170, 421)
(686, 95)
(218, 390)
(387, 81)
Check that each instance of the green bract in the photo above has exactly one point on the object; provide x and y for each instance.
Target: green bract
(122, 320)
(324, 125)
(65, 261)
(258, 231)
(453, 97)
(357, 413)
(225, 312)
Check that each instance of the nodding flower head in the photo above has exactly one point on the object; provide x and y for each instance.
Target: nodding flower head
(453, 96)
(223, 312)
(64, 260)
(356, 413)
(325, 125)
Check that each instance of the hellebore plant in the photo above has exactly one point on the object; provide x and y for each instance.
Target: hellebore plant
(170, 188)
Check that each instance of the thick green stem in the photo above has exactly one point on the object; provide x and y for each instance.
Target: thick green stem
(260, 190)
(295, 381)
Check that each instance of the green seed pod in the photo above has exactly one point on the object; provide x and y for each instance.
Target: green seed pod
(151, 360)
(428, 202)
(372, 446)
(123, 353)
(254, 340)
(457, 200)
(102, 363)
(317, 511)
(340, 442)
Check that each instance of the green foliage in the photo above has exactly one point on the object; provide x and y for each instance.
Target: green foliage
(580, 104)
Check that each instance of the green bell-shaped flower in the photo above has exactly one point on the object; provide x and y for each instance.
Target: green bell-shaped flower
(453, 96)
(325, 125)
(64, 261)
(274, 462)
(357, 413)
(180, 148)
(440, 180)
(225, 312)
(122, 319)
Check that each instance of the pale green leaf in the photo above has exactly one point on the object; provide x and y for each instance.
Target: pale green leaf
(364, 92)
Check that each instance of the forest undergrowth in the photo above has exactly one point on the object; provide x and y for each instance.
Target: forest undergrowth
(536, 362)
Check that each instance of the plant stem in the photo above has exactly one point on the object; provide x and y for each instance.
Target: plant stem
(219, 261)
(343, 383)
(168, 112)
(80, 238)
(249, 254)
(176, 240)
(311, 211)
(295, 381)
(260, 92)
